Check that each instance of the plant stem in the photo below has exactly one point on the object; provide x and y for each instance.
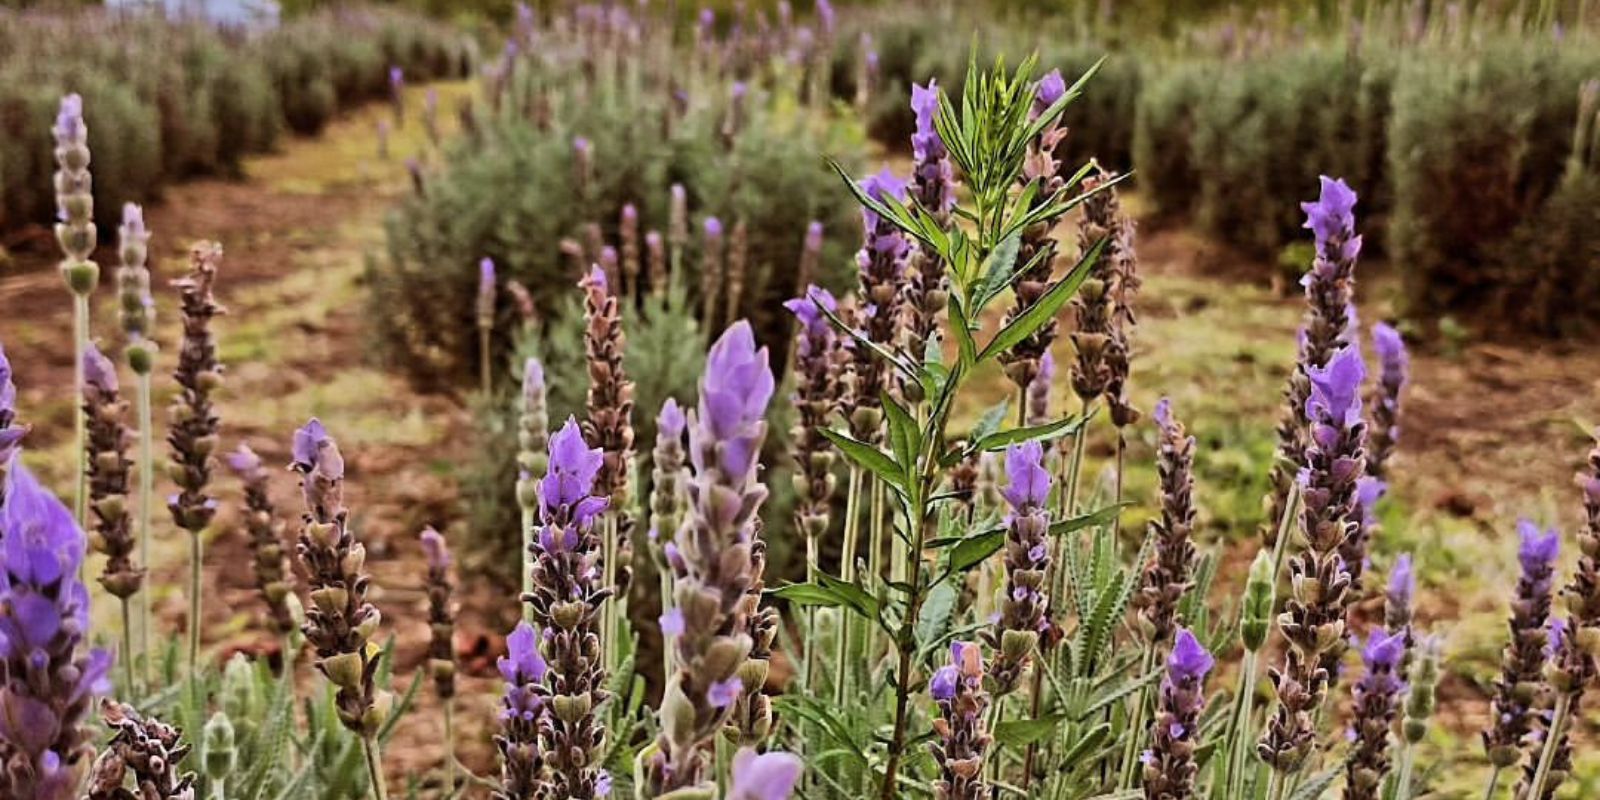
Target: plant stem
(527, 561)
(485, 359)
(369, 744)
(874, 568)
(809, 664)
(127, 645)
(449, 747)
(1238, 734)
(146, 495)
(608, 616)
(1275, 785)
(1402, 778)
(80, 342)
(1552, 742)
(1494, 783)
(847, 573)
(196, 551)
(1136, 728)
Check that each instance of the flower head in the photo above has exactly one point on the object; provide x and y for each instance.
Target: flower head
(315, 452)
(1402, 581)
(670, 422)
(1333, 213)
(733, 397)
(809, 311)
(532, 378)
(1189, 660)
(435, 549)
(98, 371)
(1336, 388)
(133, 220)
(1384, 650)
(1537, 551)
(765, 776)
(713, 228)
(522, 662)
(880, 186)
(573, 467)
(1047, 91)
(1393, 359)
(69, 119)
(1028, 484)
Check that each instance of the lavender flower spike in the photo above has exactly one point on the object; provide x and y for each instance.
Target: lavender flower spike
(960, 741)
(1397, 599)
(523, 707)
(1039, 390)
(1314, 617)
(47, 680)
(11, 433)
(272, 577)
(1169, 765)
(818, 358)
(109, 466)
(1170, 572)
(1518, 689)
(1025, 606)
(486, 293)
(1394, 371)
(1377, 702)
(716, 560)
(441, 614)
(881, 263)
(568, 593)
(932, 186)
(148, 749)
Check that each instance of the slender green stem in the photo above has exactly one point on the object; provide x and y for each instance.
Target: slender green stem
(527, 561)
(1274, 785)
(146, 495)
(127, 646)
(485, 358)
(808, 667)
(449, 747)
(1239, 731)
(196, 552)
(1553, 738)
(369, 744)
(1494, 783)
(609, 614)
(875, 571)
(1136, 728)
(80, 342)
(1402, 778)
(847, 573)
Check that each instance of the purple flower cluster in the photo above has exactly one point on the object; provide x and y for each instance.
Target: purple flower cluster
(716, 561)
(1377, 701)
(441, 613)
(106, 448)
(1330, 296)
(136, 306)
(1518, 689)
(1314, 616)
(47, 678)
(925, 288)
(1169, 764)
(1170, 572)
(1102, 306)
(819, 355)
(1394, 370)
(960, 740)
(11, 433)
(272, 577)
(192, 432)
(522, 707)
(881, 264)
(1025, 606)
(568, 594)
(147, 749)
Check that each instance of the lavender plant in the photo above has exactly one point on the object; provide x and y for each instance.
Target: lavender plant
(567, 602)
(610, 426)
(340, 622)
(441, 647)
(112, 534)
(819, 357)
(1170, 764)
(192, 420)
(270, 571)
(533, 458)
(11, 432)
(48, 675)
(148, 751)
(1519, 688)
(136, 309)
(75, 232)
(523, 669)
(1376, 699)
(960, 738)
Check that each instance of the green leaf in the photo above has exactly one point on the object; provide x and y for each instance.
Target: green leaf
(974, 549)
(1313, 788)
(1045, 308)
(998, 269)
(963, 331)
(1093, 519)
(868, 457)
(933, 621)
(903, 434)
(1052, 430)
(1023, 732)
(854, 596)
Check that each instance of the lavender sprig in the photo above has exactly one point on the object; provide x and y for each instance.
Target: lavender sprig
(1170, 572)
(1025, 605)
(1038, 394)
(1330, 292)
(1169, 764)
(628, 235)
(1377, 700)
(568, 594)
(47, 679)
(1036, 254)
(712, 265)
(1314, 616)
(272, 578)
(1393, 373)
(881, 266)
(340, 622)
(441, 645)
(146, 749)
(932, 187)
(961, 740)
(1519, 689)
(523, 669)
(610, 426)
(137, 316)
(75, 232)
(192, 419)
(108, 476)
(714, 561)
(533, 458)
(818, 359)
(11, 433)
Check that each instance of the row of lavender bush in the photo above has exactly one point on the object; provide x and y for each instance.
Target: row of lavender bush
(185, 97)
(1471, 126)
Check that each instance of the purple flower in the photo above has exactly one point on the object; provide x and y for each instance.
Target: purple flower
(670, 422)
(1336, 388)
(532, 378)
(69, 119)
(713, 227)
(397, 77)
(98, 371)
(1392, 353)
(1028, 484)
(815, 324)
(1384, 650)
(581, 146)
(602, 784)
(314, 451)
(1039, 390)
(1402, 582)
(1189, 660)
(1050, 89)
(880, 186)
(733, 400)
(722, 694)
(133, 220)
(943, 686)
(813, 241)
(1334, 211)
(1537, 552)
(825, 15)
(522, 662)
(486, 276)
(573, 466)
(435, 549)
(672, 622)
(765, 776)
(243, 461)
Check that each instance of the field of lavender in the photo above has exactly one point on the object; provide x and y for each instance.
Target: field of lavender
(772, 400)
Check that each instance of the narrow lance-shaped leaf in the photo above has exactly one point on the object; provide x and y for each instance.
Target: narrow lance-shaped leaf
(1045, 308)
